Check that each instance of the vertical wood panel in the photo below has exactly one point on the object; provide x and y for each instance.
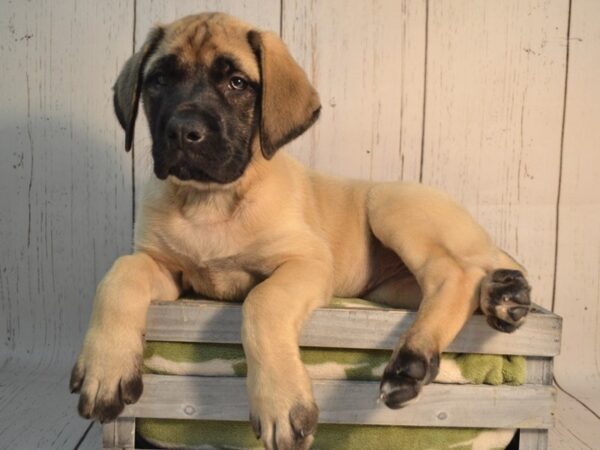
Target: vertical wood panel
(66, 186)
(366, 59)
(264, 14)
(577, 296)
(66, 202)
(495, 82)
(495, 74)
(575, 427)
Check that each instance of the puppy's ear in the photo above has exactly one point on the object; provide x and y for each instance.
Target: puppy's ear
(128, 87)
(289, 104)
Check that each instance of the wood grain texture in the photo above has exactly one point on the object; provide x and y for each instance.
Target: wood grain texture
(209, 321)
(119, 434)
(575, 428)
(533, 440)
(366, 59)
(214, 398)
(262, 13)
(93, 438)
(577, 296)
(539, 370)
(495, 77)
(36, 409)
(65, 206)
(66, 187)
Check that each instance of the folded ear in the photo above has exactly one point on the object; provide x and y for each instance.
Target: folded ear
(128, 87)
(289, 103)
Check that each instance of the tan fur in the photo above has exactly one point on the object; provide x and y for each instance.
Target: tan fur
(284, 239)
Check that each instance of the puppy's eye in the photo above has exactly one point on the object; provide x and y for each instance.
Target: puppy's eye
(159, 79)
(238, 83)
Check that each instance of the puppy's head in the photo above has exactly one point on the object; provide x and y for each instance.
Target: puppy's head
(212, 87)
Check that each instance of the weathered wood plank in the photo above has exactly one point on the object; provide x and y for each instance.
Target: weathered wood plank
(66, 186)
(93, 438)
(575, 428)
(66, 203)
(208, 321)
(119, 434)
(539, 370)
(495, 83)
(213, 398)
(367, 61)
(577, 295)
(533, 440)
(36, 409)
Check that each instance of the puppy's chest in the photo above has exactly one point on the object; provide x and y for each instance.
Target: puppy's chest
(213, 260)
(220, 280)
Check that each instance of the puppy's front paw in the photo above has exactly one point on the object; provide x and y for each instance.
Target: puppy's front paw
(283, 413)
(505, 299)
(107, 375)
(405, 375)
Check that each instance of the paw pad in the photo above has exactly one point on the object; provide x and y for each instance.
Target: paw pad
(505, 299)
(404, 376)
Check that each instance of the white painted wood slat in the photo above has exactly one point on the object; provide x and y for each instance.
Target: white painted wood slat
(66, 186)
(575, 427)
(366, 59)
(352, 402)
(495, 79)
(119, 433)
(577, 295)
(66, 202)
(208, 321)
(533, 440)
(36, 409)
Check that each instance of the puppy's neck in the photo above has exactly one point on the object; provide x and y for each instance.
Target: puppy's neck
(213, 203)
(207, 205)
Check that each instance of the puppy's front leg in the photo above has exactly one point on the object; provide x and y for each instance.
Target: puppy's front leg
(282, 409)
(107, 372)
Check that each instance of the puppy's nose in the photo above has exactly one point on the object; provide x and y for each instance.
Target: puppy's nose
(185, 132)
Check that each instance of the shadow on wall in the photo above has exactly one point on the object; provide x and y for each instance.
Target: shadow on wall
(66, 215)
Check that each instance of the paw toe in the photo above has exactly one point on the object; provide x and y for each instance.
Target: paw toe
(87, 399)
(77, 375)
(104, 398)
(505, 299)
(131, 389)
(405, 375)
(304, 419)
(395, 392)
(516, 313)
(294, 432)
(507, 276)
(107, 410)
(501, 325)
(255, 424)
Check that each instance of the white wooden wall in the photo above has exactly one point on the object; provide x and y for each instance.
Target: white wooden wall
(496, 102)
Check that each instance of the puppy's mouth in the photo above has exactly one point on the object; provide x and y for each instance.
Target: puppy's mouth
(185, 174)
(186, 171)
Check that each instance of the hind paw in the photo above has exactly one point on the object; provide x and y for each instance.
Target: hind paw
(505, 299)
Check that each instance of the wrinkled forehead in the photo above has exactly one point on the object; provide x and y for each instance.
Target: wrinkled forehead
(197, 41)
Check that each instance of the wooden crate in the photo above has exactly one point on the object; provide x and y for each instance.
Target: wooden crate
(529, 407)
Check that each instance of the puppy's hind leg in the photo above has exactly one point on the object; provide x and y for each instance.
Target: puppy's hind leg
(449, 255)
